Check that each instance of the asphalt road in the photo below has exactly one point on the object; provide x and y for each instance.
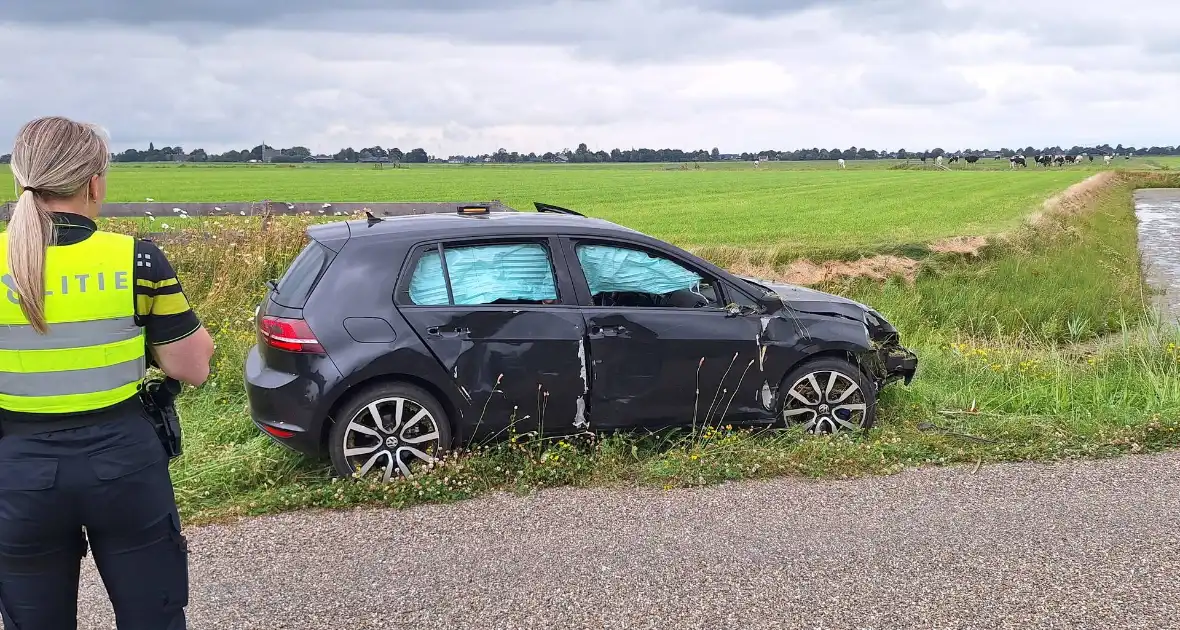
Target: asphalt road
(1075, 545)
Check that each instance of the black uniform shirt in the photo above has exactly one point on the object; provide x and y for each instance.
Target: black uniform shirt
(160, 305)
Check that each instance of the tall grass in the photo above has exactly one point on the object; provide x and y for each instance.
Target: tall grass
(1000, 378)
(1066, 278)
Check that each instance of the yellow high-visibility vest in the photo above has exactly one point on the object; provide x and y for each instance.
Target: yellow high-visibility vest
(93, 355)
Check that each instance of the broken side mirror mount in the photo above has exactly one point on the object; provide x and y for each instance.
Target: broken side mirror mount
(735, 310)
(770, 302)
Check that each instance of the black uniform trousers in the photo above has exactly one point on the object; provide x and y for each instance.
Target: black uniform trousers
(111, 479)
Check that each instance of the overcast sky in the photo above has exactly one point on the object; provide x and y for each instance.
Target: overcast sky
(471, 76)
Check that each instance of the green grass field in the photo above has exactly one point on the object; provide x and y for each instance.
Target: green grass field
(1009, 342)
(785, 210)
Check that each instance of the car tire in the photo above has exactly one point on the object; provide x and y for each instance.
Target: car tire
(396, 446)
(832, 408)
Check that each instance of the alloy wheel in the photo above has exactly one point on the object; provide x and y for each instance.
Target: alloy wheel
(826, 401)
(395, 434)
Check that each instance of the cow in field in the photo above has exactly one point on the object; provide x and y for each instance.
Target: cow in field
(938, 161)
(971, 159)
(841, 162)
(1017, 159)
(953, 159)
(1107, 158)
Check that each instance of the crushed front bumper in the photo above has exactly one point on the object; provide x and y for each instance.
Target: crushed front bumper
(901, 363)
(892, 363)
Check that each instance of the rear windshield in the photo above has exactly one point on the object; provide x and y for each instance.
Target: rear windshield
(302, 275)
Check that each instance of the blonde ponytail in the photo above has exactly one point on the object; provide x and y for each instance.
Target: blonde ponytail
(53, 158)
(30, 231)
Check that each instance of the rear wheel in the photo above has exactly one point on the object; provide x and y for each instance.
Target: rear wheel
(827, 395)
(389, 430)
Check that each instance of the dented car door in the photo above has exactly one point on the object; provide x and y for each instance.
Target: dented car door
(494, 314)
(663, 348)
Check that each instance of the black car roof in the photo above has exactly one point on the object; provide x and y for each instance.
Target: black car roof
(417, 227)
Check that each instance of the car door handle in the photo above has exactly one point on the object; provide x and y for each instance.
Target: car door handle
(437, 331)
(607, 331)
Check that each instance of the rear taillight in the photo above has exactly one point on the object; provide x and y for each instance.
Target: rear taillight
(292, 335)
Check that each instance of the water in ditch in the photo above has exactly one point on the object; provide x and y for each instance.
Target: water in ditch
(1158, 211)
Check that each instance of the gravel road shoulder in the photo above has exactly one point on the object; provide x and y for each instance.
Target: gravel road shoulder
(1090, 544)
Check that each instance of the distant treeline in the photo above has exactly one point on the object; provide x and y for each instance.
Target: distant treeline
(378, 154)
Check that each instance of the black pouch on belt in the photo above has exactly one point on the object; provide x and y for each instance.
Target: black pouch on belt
(159, 399)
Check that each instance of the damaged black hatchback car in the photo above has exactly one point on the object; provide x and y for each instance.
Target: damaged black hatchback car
(389, 341)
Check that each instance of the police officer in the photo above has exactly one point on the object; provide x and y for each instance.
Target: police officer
(81, 466)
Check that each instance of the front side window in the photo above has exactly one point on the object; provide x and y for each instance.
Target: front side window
(621, 276)
(518, 273)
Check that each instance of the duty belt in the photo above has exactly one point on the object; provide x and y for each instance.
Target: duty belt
(69, 421)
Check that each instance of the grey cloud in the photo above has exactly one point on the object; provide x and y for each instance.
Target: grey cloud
(613, 30)
(225, 12)
(308, 12)
(1076, 22)
(918, 86)
(461, 75)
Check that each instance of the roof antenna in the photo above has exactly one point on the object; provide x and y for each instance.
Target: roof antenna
(370, 218)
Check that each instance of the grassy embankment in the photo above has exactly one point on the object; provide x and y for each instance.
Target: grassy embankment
(1000, 378)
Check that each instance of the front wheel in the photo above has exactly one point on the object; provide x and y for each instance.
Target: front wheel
(827, 395)
(389, 429)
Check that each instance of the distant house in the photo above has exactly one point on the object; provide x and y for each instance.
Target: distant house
(373, 160)
(320, 158)
(730, 156)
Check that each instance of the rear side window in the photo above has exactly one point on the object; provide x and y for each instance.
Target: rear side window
(301, 277)
(517, 273)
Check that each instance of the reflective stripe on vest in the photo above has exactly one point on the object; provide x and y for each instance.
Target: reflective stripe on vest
(93, 355)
